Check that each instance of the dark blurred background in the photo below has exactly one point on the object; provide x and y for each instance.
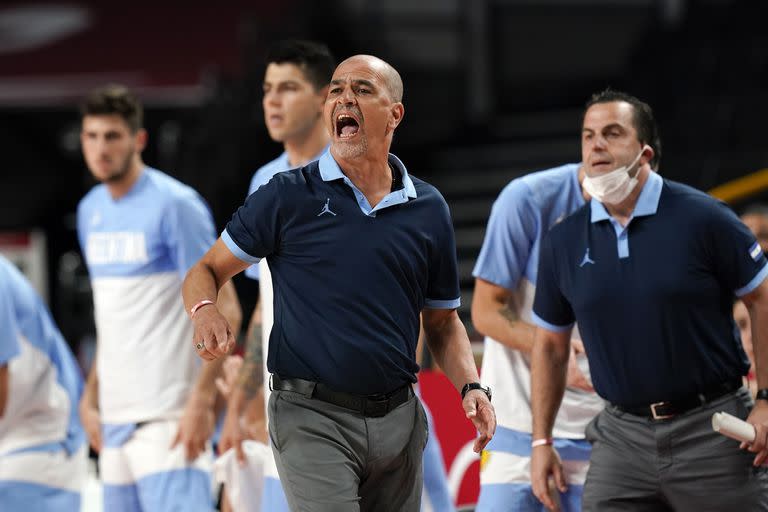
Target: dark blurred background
(493, 89)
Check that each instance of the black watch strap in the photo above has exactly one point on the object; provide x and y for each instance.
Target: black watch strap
(762, 394)
(475, 385)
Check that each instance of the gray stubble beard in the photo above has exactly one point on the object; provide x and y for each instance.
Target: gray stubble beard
(348, 151)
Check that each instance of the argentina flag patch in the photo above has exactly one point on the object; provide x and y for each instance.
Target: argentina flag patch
(755, 251)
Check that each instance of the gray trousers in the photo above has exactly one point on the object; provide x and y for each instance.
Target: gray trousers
(680, 464)
(335, 460)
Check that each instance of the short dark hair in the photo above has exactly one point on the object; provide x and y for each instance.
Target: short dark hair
(755, 209)
(642, 118)
(114, 99)
(314, 59)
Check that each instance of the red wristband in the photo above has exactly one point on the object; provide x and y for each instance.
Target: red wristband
(544, 441)
(198, 306)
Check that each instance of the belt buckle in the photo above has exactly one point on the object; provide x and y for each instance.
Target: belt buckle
(657, 416)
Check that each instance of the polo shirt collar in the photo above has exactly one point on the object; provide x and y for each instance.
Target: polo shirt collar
(647, 201)
(330, 170)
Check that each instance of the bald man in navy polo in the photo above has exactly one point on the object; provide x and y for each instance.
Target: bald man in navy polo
(358, 250)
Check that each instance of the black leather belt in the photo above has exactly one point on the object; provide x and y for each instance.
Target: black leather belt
(372, 406)
(666, 410)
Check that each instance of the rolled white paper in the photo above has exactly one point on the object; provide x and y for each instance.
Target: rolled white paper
(733, 427)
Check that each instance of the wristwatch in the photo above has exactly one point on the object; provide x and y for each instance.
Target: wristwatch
(762, 394)
(475, 385)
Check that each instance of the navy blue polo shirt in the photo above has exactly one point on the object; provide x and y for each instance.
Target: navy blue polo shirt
(349, 280)
(653, 300)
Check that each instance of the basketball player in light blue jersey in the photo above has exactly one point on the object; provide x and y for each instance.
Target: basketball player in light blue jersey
(501, 309)
(42, 444)
(148, 404)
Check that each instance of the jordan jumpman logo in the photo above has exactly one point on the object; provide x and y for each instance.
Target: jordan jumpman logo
(586, 259)
(326, 208)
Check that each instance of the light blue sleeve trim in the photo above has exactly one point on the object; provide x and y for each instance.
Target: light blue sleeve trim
(237, 251)
(548, 326)
(252, 272)
(754, 283)
(442, 304)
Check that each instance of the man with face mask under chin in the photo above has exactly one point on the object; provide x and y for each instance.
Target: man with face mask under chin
(649, 269)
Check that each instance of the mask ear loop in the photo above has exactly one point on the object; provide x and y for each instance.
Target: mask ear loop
(639, 156)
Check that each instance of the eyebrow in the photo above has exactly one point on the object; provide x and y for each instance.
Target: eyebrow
(280, 82)
(607, 127)
(94, 132)
(358, 81)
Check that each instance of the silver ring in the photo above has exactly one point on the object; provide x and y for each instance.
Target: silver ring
(200, 346)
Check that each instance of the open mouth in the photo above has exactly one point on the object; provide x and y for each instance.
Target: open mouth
(346, 126)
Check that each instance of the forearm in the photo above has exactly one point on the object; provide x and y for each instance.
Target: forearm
(760, 346)
(251, 375)
(549, 365)
(204, 390)
(236, 401)
(200, 284)
(90, 396)
(451, 349)
(420, 344)
(495, 314)
(229, 306)
(757, 305)
(505, 327)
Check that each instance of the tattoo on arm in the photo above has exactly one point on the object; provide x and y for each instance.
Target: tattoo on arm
(252, 372)
(507, 312)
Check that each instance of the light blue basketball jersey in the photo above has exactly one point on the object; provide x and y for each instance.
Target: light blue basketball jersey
(138, 249)
(523, 213)
(45, 382)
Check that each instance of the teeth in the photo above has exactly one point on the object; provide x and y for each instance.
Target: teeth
(343, 116)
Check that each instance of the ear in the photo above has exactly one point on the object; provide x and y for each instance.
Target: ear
(647, 154)
(397, 111)
(141, 138)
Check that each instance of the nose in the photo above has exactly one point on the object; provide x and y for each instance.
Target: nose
(598, 142)
(271, 98)
(346, 97)
(100, 144)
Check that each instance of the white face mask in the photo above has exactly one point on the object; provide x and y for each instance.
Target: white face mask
(613, 187)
